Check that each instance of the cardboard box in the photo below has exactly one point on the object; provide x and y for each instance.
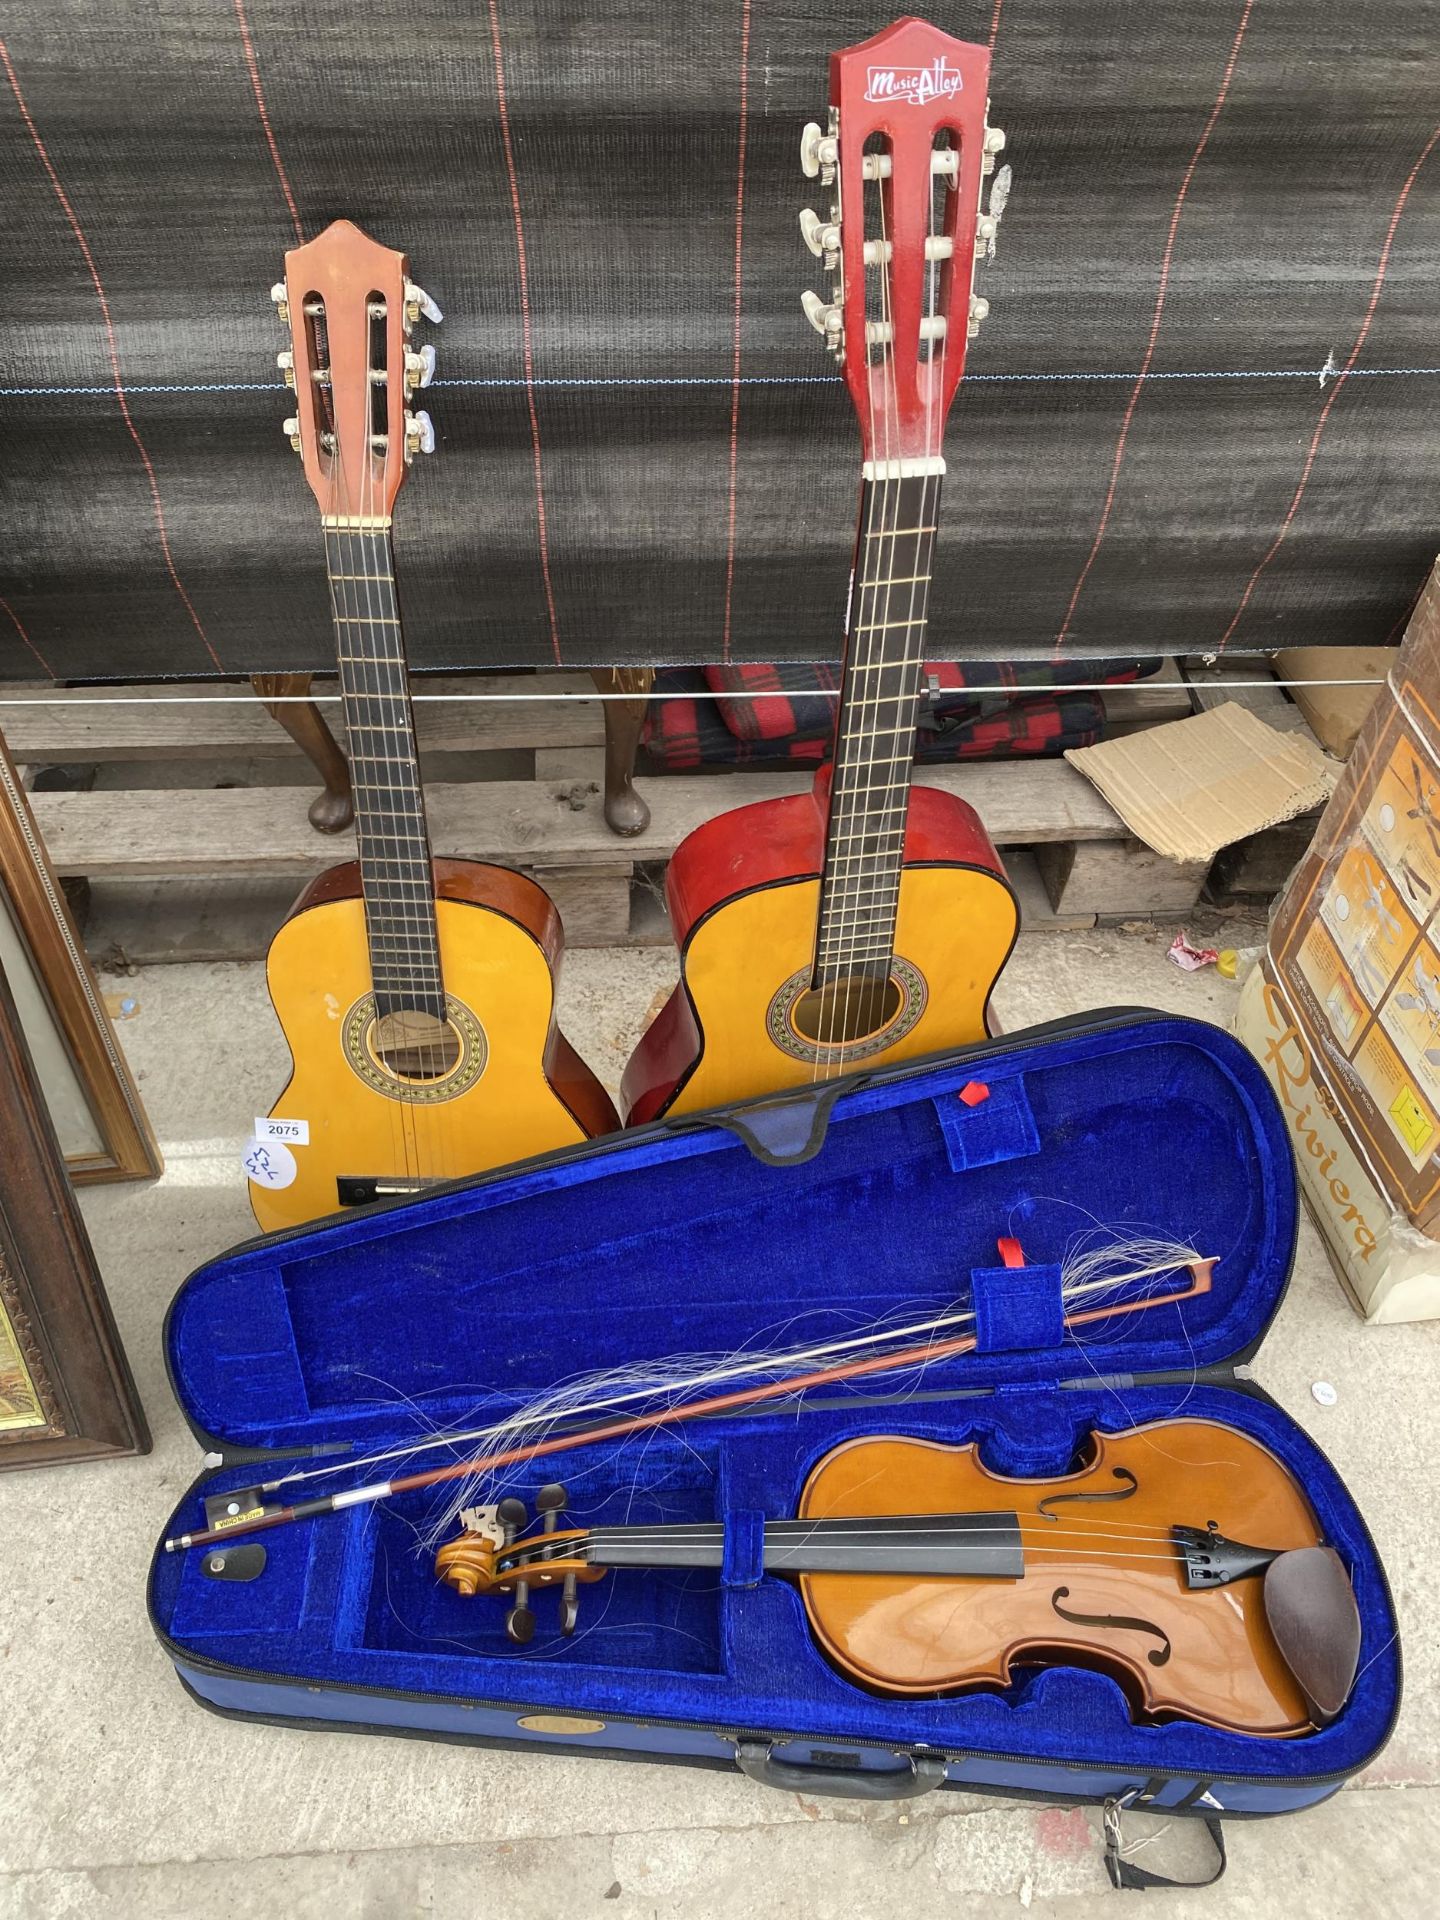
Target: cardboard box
(1343, 1009)
(1335, 713)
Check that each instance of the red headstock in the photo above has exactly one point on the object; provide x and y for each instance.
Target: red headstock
(905, 152)
(351, 306)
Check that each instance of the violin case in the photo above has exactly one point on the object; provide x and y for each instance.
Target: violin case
(774, 1224)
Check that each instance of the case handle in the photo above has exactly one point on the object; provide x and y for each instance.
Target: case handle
(924, 1775)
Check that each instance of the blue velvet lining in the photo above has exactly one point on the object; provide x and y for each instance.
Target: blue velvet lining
(1017, 1307)
(461, 1305)
(999, 1127)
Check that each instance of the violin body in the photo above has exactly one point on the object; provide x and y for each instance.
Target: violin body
(743, 892)
(515, 1089)
(1099, 1550)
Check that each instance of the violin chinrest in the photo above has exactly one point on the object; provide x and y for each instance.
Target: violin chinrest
(1311, 1608)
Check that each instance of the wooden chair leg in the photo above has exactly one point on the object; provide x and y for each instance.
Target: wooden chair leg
(625, 812)
(334, 809)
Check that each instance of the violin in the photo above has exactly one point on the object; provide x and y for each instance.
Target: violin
(1180, 1558)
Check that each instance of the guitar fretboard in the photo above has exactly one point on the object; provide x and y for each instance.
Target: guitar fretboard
(390, 828)
(875, 738)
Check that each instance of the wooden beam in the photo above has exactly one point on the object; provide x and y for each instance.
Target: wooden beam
(517, 823)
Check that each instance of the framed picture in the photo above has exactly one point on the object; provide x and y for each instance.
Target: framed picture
(93, 1100)
(65, 1388)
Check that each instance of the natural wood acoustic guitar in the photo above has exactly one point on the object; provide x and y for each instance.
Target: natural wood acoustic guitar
(863, 923)
(417, 995)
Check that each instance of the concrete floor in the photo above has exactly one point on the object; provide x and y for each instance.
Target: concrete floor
(118, 1797)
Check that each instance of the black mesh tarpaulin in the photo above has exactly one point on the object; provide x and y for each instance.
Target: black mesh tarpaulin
(644, 454)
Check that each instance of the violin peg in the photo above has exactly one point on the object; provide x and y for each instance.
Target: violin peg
(569, 1605)
(551, 1499)
(520, 1625)
(512, 1514)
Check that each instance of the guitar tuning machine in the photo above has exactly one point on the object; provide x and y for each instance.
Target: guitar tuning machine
(979, 310)
(418, 303)
(419, 434)
(419, 367)
(822, 237)
(828, 321)
(286, 363)
(819, 154)
(291, 429)
(282, 302)
(994, 143)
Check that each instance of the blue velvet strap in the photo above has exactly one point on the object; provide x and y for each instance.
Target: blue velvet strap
(1017, 1308)
(998, 1127)
(744, 1561)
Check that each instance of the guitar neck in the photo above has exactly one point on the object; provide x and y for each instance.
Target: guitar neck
(879, 706)
(395, 869)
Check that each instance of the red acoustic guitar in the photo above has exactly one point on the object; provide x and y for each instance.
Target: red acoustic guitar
(863, 922)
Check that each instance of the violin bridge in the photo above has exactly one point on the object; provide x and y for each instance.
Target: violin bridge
(484, 1523)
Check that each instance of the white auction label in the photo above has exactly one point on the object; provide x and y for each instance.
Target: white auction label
(295, 1133)
(270, 1163)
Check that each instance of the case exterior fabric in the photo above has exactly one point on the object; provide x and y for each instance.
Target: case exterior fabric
(1202, 415)
(615, 1246)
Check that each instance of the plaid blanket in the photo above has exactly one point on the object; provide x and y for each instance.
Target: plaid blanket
(807, 709)
(690, 732)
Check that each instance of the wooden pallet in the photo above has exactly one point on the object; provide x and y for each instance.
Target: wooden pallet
(242, 849)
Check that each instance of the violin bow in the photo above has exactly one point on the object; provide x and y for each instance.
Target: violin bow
(250, 1519)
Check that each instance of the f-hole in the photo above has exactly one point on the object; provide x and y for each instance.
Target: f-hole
(320, 400)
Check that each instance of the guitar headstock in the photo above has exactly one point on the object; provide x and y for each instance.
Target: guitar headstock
(351, 308)
(905, 154)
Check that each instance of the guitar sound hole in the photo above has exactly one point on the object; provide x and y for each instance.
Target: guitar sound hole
(847, 1010)
(414, 1045)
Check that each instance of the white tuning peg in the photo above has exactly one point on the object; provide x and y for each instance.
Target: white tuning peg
(822, 237)
(291, 429)
(282, 302)
(979, 310)
(819, 154)
(826, 320)
(419, 434)
(419, 367)
(286, 363)
(418, 302)
(994, 143)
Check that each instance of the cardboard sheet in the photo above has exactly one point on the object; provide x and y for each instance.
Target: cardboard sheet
(1196, 785)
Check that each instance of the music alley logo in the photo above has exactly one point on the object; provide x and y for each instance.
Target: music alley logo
(915, 85)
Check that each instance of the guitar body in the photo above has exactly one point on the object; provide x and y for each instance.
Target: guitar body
(515, 1088)
(743, 893)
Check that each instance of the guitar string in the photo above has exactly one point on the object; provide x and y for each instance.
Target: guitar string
(833, 1012)
(363, 709)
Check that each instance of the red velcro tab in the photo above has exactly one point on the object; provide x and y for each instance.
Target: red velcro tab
(973, 1092)
(1011, 1252)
